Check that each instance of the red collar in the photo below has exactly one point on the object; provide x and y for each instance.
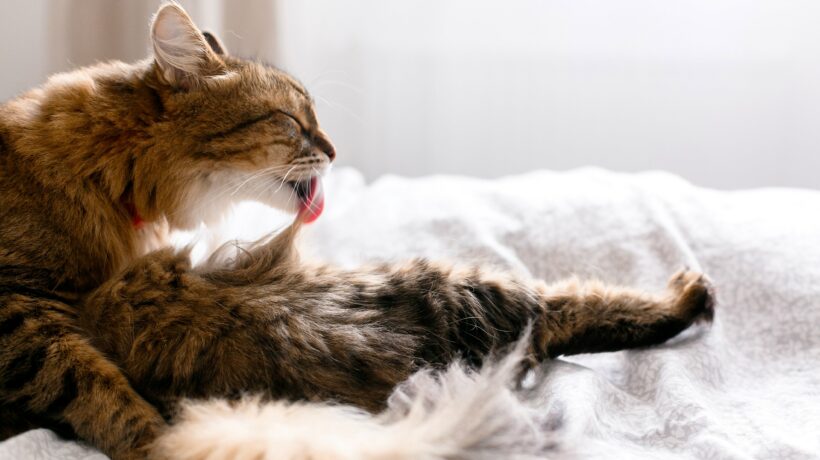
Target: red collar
(136, 218)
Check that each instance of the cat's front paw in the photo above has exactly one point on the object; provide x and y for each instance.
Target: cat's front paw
(693, 295)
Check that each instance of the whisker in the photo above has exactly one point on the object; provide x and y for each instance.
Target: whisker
(340, 83)
(233, 188)
(250, 178)
(312, 206)
(281, 182)
(341, 107)
(284, 179)
(326, 73)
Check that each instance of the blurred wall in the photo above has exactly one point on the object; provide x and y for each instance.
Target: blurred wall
(723, 92)
(23, 43)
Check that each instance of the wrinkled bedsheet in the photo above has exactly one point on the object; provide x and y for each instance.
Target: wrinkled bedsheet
(746, 387)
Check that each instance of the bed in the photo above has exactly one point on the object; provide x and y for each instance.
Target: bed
(748, 386)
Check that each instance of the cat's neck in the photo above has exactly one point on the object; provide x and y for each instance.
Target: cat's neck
(73, 144)
(83, 130)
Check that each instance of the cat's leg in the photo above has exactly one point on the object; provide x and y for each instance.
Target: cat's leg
(473, 311)
(50, 373)
(589, 317)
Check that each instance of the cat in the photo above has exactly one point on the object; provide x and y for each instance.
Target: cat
(104, 328)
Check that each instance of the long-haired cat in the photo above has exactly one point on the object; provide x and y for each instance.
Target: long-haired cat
(103, 330)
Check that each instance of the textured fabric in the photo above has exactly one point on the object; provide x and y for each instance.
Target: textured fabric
(45, 445)
(746, 387)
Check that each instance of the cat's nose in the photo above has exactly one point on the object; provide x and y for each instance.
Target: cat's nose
(330, 152)
(323, 143)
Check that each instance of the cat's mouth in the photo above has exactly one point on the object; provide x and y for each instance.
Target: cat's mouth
(311, 198)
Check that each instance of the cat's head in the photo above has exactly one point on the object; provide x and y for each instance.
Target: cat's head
(231, 129)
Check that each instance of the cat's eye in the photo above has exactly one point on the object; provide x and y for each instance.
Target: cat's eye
(300, 128)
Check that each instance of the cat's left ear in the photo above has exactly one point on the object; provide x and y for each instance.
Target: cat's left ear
(182, 52)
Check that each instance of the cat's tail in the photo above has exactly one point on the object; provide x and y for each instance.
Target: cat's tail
(454, 413)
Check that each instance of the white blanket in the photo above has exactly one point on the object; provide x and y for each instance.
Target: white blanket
(747, 387)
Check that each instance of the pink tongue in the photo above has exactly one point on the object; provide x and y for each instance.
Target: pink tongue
(311, 207)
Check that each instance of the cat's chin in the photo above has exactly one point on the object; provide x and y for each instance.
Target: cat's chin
(305, 198)
(216, 196)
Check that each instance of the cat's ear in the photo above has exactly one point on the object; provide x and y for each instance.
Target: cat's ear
(215, 43)
(182, 52)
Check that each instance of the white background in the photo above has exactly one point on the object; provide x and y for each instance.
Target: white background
(723, 92)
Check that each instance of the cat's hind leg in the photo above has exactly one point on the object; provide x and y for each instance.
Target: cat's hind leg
(588, 317)
(50, 373)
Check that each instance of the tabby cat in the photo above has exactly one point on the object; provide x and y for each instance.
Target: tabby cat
(103, 328)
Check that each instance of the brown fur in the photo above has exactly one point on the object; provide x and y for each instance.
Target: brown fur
(100, 338)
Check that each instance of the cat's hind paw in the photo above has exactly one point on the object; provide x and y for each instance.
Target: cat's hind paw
(693, 295)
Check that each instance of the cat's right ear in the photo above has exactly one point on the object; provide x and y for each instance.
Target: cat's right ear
(182, 52)
(215, 43)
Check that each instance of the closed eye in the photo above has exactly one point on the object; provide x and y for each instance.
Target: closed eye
(294, 119)
(253, 121)
(240, 126)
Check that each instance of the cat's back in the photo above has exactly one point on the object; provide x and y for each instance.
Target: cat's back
(34, 246)
(24, 227)
(55, 216)
(14, 202)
